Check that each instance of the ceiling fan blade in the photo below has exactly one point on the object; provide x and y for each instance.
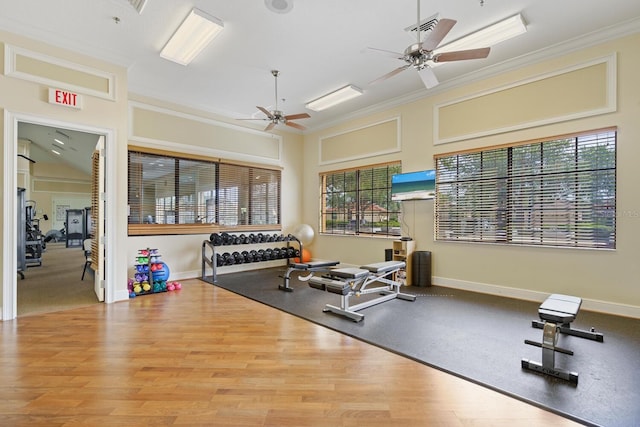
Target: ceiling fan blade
(391, 74)
(390, 54)
(297, 116)
(460, 55)
(428, 77)
(269, 127)
(295, 125)
(267, 112)
(439, 32)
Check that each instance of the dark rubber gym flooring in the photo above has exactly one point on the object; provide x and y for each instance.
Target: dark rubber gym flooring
(481, 338)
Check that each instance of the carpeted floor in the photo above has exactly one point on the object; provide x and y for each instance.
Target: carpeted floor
(481, 338)
(56, 284)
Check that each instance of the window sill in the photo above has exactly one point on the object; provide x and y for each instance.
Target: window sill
(182, 229)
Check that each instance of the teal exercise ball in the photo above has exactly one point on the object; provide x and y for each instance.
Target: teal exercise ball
(304, 233)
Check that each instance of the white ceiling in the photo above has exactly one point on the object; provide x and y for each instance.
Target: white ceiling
(317, 46)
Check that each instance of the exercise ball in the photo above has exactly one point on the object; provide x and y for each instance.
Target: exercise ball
(306, 256)
(161, 273)
(304, 233)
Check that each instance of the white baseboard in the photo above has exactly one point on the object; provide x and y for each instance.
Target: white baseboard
(528, 295)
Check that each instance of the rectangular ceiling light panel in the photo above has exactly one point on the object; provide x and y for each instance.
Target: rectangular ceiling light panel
(138, 5)
(334, 98)
(489, 36)
(192, 36)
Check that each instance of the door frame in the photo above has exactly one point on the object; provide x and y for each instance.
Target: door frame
(10, 220)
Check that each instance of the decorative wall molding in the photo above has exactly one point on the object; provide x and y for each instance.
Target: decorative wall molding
(362, 142)
(239, 143)
(47, 70)
(592, 84)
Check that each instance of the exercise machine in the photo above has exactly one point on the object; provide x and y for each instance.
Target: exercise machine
(310, 267)
(556, 314)
(356, 282)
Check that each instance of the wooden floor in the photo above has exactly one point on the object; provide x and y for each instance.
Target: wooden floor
(205, 356)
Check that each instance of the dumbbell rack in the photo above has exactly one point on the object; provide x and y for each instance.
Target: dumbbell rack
(266, 243)
(145, 268)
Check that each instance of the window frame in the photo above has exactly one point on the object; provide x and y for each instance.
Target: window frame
(562, 206)
(359, 224)
(141, 229)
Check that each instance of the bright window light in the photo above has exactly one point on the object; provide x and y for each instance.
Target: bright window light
(334, 98)
(193, 35)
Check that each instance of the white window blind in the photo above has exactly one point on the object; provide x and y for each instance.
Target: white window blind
(166, 189)
(560, 192)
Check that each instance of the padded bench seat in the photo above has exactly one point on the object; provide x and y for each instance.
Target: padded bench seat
(561, 309)
(330, 285)
(350, 273)
(313, 264)
(383, 267)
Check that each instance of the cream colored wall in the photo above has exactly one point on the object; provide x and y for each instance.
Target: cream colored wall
(62, 183)
(183, 253)
(605, 279)
(24, 97)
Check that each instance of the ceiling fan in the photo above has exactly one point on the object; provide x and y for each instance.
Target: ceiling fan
(276, 116)
(419, 54)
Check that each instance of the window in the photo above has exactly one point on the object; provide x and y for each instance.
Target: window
(168, 190)
(358, 202)
(560, 192)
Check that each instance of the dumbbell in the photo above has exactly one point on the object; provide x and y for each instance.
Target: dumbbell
(219, 260)
(228, 258)
(215, 239)
(225, 238)
(238, 258)
(246, 256)
(254, 255)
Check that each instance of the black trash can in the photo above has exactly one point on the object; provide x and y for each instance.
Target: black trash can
(421, 268)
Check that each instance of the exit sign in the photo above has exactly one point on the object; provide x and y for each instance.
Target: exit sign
(65, 98)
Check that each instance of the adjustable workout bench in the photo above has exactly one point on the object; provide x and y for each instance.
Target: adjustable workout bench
(556, 314)
(348, 282)
(311, 267)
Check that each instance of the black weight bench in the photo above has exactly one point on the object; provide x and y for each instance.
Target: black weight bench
(311, 267)
(354, 282)
(556, 314)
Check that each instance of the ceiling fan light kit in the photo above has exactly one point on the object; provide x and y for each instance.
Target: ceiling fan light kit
(279, 6)
(334, 98)
(196, 31)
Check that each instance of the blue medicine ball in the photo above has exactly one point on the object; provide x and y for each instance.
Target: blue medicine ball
(162, 273)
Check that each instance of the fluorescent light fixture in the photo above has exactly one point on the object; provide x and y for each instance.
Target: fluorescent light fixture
(56, 152)
(58, 141)
(194, 34)
(334, 98)
(489, 36)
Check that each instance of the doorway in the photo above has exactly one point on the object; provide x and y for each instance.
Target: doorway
(14, 123)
